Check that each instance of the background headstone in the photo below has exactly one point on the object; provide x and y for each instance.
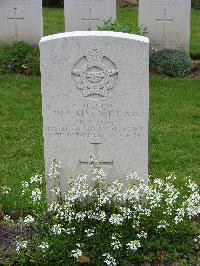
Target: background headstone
(88, 14)
(166, 23)
(21, 20)
(95, 89)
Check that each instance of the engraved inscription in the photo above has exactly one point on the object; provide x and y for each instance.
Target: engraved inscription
(95, 121)
(95, 74)
(96, 155)
(15, 18)
(164, 20)
(90, 19)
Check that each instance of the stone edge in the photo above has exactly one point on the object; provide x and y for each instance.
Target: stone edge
(95, 34)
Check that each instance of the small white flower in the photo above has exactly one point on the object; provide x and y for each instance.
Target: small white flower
(89, 232)
(162, 224)
(80, 216)
(54, 169)
(24, 184)
(147, 212)
(159, 182)
(192, 185)
(132, 176)
(76, 253)
(36, 179)
(133, 245)
(80, 245)
(25, 187)
(109, 260)
(180, 215)
(126, 212)
(116, 219)
(171, 177)
(142, 234)
(29, 219)
(197, 239)
(116, 245)
(53, 207)
(70, 231)
(43, 246)
(56, 190)
(21, 245)
(5, 190)
(57, 229)
(36, 195)
(102, 216)
(7, 219)
(115, 236)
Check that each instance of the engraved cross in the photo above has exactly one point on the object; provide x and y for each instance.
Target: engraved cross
(15, 18)
(90, 19)
(164, 20)
(96, 154)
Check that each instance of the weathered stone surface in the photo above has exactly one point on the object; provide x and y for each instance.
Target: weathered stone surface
(88, 14)
(166, 23)
(95, 88)
(21, 20)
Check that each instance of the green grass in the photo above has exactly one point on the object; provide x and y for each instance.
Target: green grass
(195, 33)
(174, 128)
(53, 20)
(128, 16)
(20, 132)
(173, 137)
(54, 23)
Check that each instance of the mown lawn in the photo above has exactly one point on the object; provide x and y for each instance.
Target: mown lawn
(173, 137)
(54, 23)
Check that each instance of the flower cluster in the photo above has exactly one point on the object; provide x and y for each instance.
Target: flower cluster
(21, 245)
(116, 244)
(34, 188)
(111, 218)
(29, 219)
(36, 179)
(76, 253)
(5, 190)
(109, 260)
(36, 195)
(43, 246)
(133, 245)
(7, 220)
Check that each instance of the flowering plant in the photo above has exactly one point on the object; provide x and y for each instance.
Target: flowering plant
(20, 58)
(111, 224)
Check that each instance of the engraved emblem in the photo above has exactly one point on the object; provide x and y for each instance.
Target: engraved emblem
(95, 74)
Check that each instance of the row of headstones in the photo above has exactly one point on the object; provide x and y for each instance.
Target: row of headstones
(165, 22)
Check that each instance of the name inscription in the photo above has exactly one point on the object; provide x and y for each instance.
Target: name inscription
(94, 121)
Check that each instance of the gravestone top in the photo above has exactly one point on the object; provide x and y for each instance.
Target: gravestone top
(166, 23)
(17, 2)
(95, 33)
(21, 20)
(95, 102)
(165, 2)
(88, 14)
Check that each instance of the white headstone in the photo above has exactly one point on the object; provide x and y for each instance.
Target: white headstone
(21, 20)
(166, 22)
(95, 88)
(88, 14)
